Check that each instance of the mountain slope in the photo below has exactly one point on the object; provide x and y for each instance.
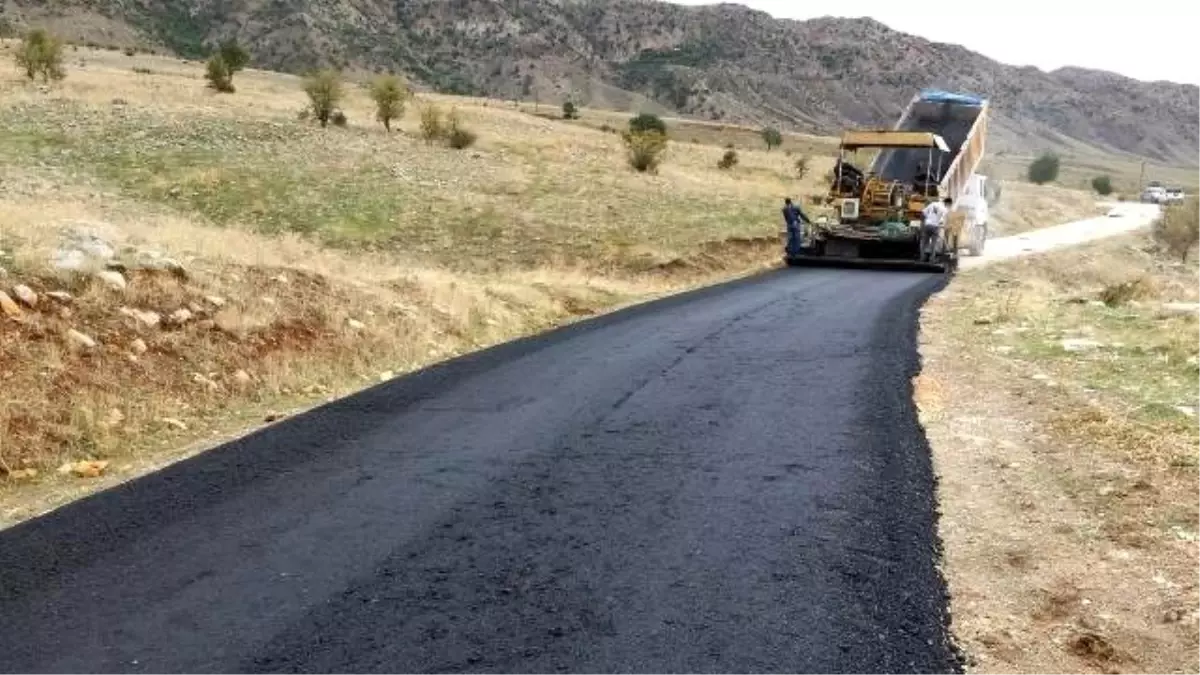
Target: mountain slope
(722, 62)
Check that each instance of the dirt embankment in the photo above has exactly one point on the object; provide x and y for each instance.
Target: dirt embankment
(1059, 396)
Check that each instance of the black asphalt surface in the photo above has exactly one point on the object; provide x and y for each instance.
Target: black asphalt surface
(733, 480)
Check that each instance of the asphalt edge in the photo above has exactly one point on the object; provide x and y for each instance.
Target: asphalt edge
(913, 368)
(77, 532)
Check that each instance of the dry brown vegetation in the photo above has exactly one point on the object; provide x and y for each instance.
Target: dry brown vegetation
(1059, 396)
(317, 261)
(1023, 207)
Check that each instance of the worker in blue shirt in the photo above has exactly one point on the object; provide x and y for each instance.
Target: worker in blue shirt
(795, 220)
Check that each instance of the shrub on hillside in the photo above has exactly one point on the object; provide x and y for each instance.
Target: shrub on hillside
(41, 54)
(324, 90)
(570, 112)
(1178, 228)
(771, 137)
(433, 126)
(802, 166)
(218, 75)
(645, 150)
(728, 160)
(234, 55)
(645, 123)
(229, 59)
(389, 94)
(1115, 295)
(457, 135)
(338, 118)
(1044, 169)
(1102, 185)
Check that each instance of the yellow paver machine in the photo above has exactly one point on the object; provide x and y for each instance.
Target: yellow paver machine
(932, 153)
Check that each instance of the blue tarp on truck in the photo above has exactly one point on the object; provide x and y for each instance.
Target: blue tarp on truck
(939, 96)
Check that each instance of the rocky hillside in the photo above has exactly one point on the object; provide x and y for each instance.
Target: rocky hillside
(721, 62)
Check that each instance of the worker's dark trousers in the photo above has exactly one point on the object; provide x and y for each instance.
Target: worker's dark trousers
(794, 239)
(931, 242)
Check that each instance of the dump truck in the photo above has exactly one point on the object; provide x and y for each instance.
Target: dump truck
(933, 152)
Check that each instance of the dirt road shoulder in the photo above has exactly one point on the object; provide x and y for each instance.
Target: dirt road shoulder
(1058, 393)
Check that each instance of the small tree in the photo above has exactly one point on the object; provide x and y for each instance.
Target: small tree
(41, 54)
(771, 137)
(645, 149)
(1102, 185)
(389, 94)
(218, 75)
(433, 126)
(457, 135)
(646, 122)
(728, 160)
(1044, 169)
(324, 89)
(234, 55)
(802, 166)
(1178, 228)
(570, 112)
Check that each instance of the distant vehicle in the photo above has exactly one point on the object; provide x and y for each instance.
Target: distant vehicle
(1174, 195)
(1154, 194)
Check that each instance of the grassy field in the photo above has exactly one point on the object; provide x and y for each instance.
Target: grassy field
(1059, 396)
(336, 257)
(339, 256)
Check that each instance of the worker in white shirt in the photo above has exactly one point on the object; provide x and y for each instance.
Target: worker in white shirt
(933, 225)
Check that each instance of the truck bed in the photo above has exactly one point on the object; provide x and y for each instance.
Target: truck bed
(950, 116)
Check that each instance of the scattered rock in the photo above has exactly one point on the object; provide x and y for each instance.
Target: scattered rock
(113, 418)
(92, 468)
(1080, 344)
(281, 278)
(204, 380)
(267, 300)
(153, 261)
(242, 377)
(1092, 645)
(174, 423)
(138, 346)
(61, 296)
(215, 300)
(80, 340)
(9, 307)
(144, 317)
(112, 278)
(21, 474)
(272, 417)
(984, 321)
(175, 191)
(181, 316)
(1188, 410)
(83, 252)
(26, 295)
(355, 324)
(386, 375)
(1181, 307)
(195, 307)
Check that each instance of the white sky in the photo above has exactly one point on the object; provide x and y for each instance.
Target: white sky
(1155, 40)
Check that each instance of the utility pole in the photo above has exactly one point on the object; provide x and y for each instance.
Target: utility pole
(1142, 177)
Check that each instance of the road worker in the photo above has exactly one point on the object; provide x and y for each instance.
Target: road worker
(795, 220)
(933, 227)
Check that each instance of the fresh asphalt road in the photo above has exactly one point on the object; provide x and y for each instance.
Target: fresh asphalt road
(733, 480)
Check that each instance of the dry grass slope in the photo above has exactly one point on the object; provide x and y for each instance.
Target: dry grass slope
(336, 256)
